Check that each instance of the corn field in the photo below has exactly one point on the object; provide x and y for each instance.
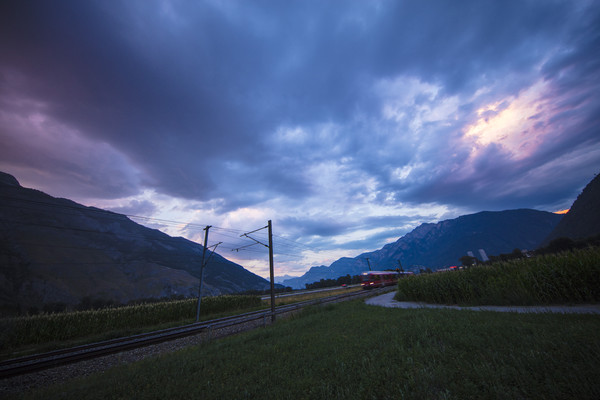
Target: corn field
(44, 328)
(565, 278)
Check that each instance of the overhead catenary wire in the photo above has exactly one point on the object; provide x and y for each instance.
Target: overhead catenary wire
(111, 214)
(288, 248)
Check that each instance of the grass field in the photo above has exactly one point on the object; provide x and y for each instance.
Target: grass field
(312, 295)
(352, 350)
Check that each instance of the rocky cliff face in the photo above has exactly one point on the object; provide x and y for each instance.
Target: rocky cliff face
(55, 250)
(439, 245)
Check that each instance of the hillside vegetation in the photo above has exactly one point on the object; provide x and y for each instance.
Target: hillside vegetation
(568, 277)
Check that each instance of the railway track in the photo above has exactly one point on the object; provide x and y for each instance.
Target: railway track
(38, 362)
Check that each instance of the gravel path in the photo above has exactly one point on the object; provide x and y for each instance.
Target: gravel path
(387, 300)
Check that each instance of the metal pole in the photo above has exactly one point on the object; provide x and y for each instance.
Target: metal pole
(202, 273)
(271, 271)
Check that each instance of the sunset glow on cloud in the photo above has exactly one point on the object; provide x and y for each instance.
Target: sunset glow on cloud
(517, 124)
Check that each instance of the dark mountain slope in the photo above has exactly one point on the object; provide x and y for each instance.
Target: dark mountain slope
(55, 250)
(583, 219)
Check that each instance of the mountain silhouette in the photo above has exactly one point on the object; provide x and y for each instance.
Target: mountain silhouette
(583, 219)
(54, 250)
(439, 245)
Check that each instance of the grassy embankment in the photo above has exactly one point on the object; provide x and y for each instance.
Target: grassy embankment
(351, 350)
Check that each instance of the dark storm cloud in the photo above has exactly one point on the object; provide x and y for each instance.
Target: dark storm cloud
(304, 107)
(179, 92)
(300, 227)
(136, 208)
(78, 61)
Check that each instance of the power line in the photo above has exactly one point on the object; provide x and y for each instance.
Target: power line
(232, 244)
(166, 238)
(168, 222)
(269, 228)
(112, 214)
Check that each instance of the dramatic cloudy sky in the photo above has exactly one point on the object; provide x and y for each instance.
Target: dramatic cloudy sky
(346, 123)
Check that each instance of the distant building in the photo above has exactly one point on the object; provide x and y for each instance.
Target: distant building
(484, 256)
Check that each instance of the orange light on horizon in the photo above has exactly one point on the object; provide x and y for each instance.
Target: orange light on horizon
(562, 211)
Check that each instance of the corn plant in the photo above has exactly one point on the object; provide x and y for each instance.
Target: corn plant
(570, 277)
(43, 328)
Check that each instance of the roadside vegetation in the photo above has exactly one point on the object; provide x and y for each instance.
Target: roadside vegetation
(570, 277)
(48, 331)
(355, 351)
(42, 332)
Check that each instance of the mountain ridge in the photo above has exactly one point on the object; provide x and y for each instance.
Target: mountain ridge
(55, 250)
(436, 245)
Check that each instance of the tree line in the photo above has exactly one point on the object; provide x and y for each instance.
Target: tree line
(342, 280)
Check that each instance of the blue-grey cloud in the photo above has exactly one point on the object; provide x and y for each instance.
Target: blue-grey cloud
(304, 104)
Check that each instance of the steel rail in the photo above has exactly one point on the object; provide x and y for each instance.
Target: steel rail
(38, 362)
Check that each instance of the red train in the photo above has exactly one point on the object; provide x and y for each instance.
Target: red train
(376, 279)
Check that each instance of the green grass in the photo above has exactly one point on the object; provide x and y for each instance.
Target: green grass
(312, 296)
(566, 278)
(351, 350)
